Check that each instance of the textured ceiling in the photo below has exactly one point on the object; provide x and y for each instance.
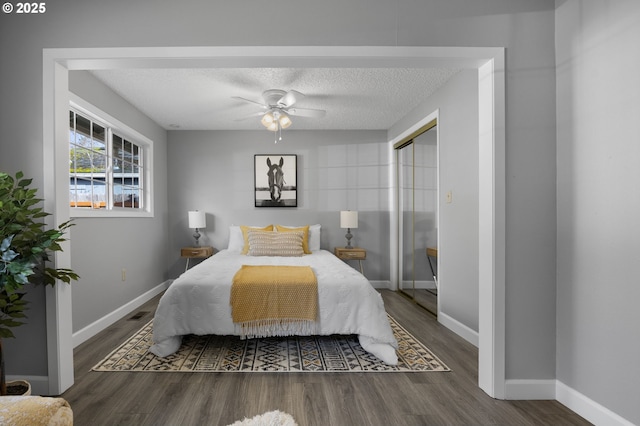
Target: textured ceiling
(202, 99)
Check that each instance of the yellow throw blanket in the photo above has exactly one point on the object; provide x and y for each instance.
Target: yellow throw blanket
(270, 300)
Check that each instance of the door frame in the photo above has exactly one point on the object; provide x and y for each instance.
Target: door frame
(490, 63)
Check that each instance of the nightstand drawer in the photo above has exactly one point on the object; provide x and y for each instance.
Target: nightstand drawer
(355, 253)
(196, 252)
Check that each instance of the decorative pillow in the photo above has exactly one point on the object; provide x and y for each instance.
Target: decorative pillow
(245, 235)
(264, 243)
(305, 235)
(313, 236)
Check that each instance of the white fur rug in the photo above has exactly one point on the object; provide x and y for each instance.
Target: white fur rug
(272, 418)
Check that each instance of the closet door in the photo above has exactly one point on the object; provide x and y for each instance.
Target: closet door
(425, 219)
(417, 207)
(405, 218)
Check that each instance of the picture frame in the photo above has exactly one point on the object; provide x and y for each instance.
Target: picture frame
(276, 180)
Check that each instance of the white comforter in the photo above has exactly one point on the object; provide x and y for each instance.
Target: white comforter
(198, 303)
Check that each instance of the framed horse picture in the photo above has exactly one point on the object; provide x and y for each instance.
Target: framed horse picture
(276, 180)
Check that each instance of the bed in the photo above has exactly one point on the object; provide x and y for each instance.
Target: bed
(198, 302)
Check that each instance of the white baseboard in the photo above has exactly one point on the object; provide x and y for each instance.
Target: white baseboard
(572, 399)
(530, 389)
(97, 326)
(460, 329)
(588, 408)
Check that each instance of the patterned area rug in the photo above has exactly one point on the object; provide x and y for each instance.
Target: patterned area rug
(277, 354)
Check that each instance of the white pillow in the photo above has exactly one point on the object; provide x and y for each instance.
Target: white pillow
(236, 240)
(314, 236)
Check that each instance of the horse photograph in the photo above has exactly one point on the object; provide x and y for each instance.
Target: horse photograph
(275, 180)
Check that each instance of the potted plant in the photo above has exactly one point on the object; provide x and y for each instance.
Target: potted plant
(25, 247)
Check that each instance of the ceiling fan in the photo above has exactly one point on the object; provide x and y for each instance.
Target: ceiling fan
(278, 107)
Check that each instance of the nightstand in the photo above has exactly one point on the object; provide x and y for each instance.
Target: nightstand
(195, 253)
(354, 253)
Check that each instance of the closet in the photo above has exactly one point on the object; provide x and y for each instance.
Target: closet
(417, 198)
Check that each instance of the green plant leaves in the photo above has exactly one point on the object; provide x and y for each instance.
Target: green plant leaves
(12, 307)
(25, 246)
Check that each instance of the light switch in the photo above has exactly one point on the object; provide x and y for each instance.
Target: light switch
(449, 197)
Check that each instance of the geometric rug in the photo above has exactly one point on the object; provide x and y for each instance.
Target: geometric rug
(211, 353)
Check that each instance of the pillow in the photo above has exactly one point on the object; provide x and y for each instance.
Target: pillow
(236, 242)
(245, 236)
(305, 235)
(313, 237)
(264, 243)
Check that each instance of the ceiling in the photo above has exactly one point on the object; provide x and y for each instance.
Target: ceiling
(202, 98)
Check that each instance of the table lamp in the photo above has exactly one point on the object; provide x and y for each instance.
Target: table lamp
(197, 220)
(348, 220)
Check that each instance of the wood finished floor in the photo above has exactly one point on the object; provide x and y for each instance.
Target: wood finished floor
(452, 398)
(425, 298)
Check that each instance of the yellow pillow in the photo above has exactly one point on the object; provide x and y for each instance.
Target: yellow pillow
(245, 235)
(305, 235)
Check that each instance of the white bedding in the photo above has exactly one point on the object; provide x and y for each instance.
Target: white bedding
(198, 303)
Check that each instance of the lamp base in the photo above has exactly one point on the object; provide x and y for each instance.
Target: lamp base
(348, 237)
(196, 235)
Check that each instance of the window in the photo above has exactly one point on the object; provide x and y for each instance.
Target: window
(108, 173)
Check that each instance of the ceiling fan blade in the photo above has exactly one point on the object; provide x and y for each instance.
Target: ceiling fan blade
(290, 98)
(246, 117)
(261, 105)
(306, 112)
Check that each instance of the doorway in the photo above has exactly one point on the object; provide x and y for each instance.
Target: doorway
(490, 63)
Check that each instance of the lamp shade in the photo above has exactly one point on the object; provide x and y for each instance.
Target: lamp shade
(275, 119)
(267, 119)
(197, 219)
(348, 219)
(284, 120)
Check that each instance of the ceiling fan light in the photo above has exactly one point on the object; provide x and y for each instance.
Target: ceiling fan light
(267, 119)
(273, 126)
(285, 121)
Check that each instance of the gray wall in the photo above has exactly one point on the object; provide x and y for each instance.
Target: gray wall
(524, 27)
(213, 171)
(598, 103)
(457, 103)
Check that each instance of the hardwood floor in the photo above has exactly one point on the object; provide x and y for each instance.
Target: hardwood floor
(452, 398)
(428, 299)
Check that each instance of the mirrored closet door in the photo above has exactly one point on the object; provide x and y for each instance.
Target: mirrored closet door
(417, 180)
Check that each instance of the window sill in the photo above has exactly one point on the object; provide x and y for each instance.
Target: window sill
(82, 213)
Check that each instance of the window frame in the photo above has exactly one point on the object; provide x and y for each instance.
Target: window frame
(113, 125)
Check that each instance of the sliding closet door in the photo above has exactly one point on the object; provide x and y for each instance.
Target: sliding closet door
(417, 167)
(405, 218)
(425, 219)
